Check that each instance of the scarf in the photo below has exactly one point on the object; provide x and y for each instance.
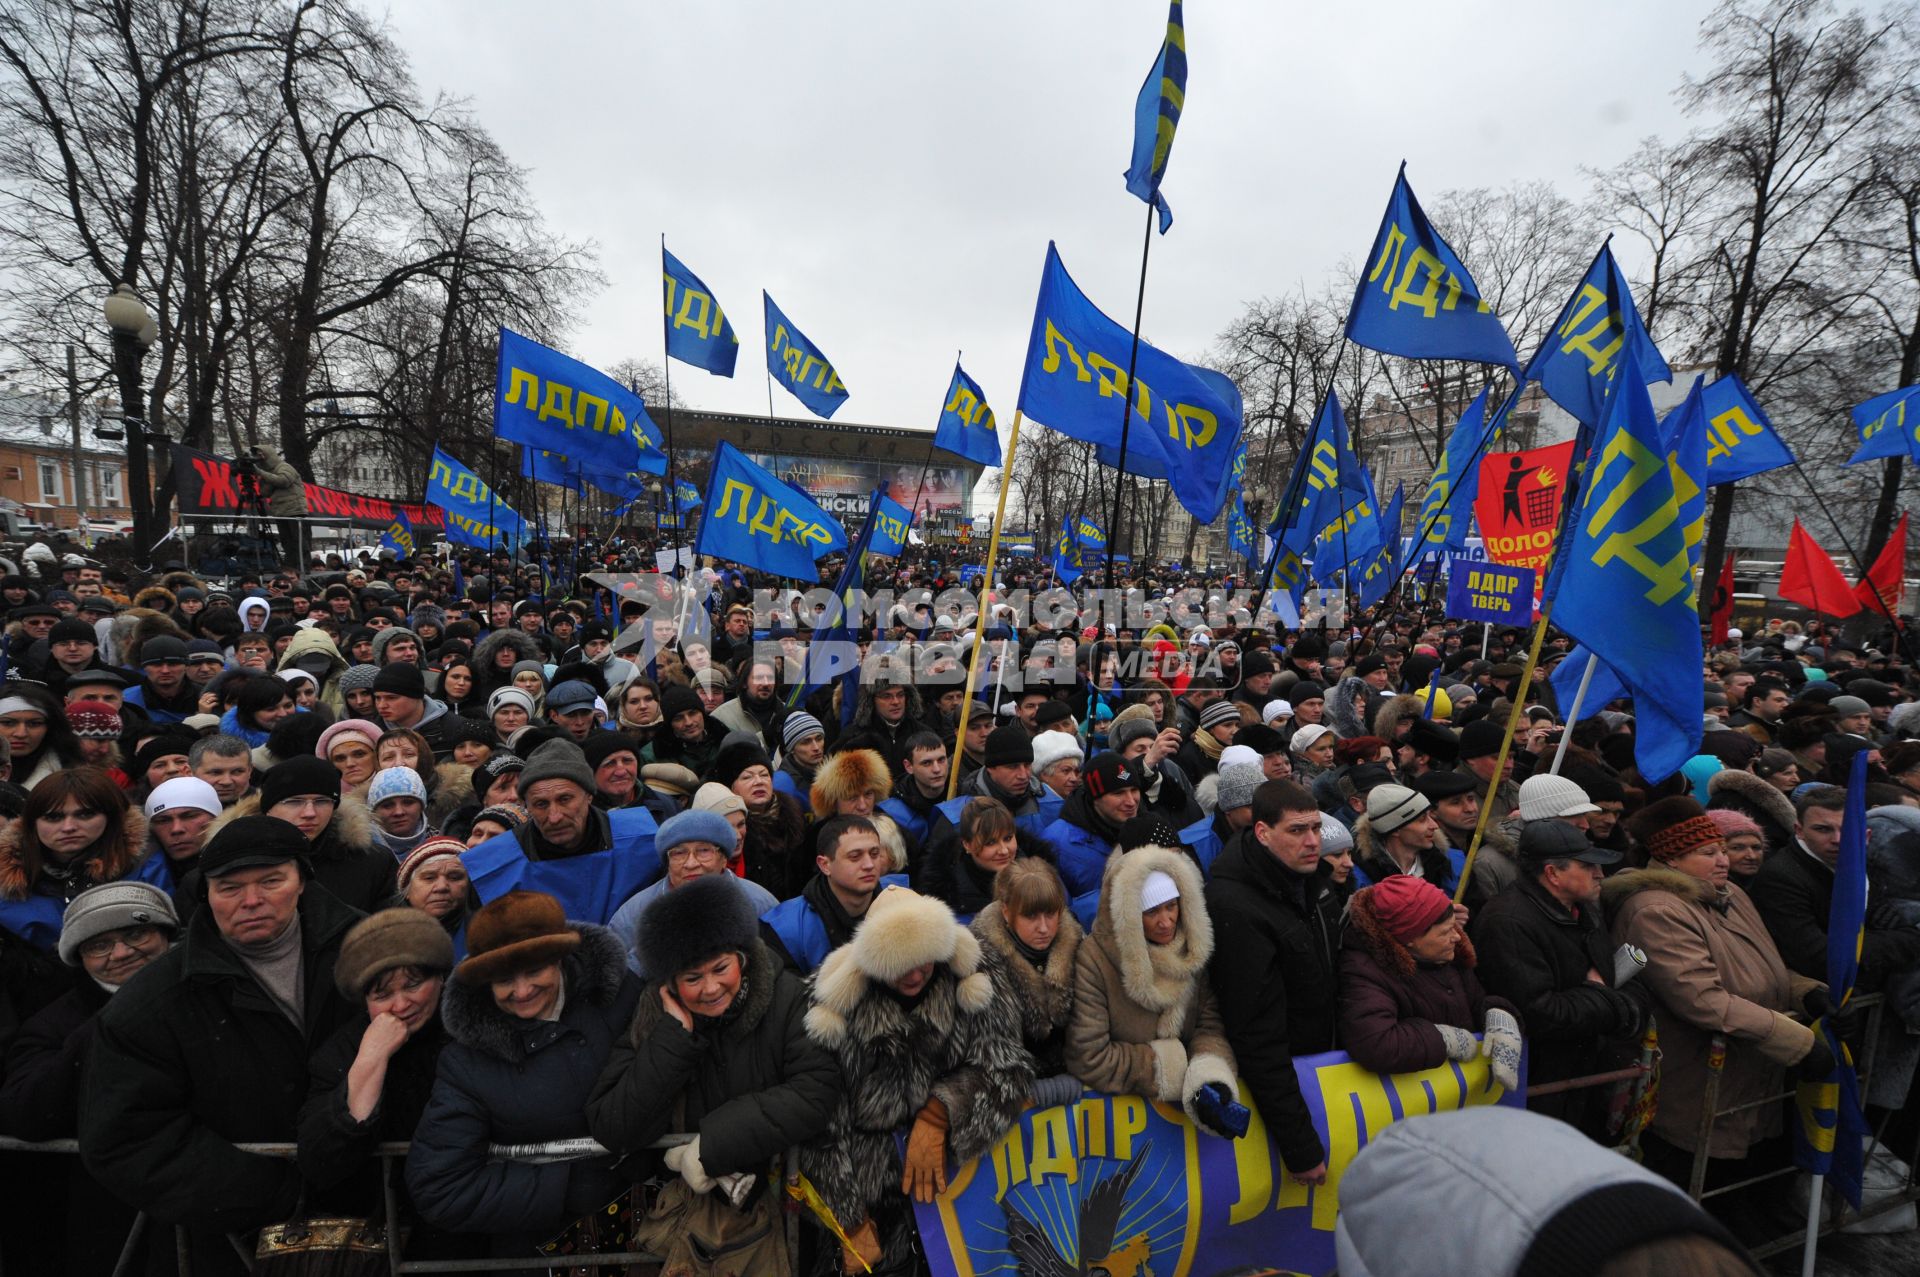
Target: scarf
(1209, 743)
(276, 965)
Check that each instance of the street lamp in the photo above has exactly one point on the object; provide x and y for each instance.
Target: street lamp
(134, 331)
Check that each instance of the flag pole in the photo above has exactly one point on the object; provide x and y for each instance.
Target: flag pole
(1506, 747)
(1813, 1226)
(1126, 398)
(1573, 715)
(980, 619)
(666, 371)
(920, 488)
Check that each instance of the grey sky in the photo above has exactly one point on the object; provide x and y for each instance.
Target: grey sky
(892, 172)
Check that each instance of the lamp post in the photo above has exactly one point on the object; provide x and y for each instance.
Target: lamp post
(133, 332)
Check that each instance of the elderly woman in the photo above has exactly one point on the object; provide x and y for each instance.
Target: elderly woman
(718, 1047)
(1029, 923)
(508, 710)
(1746, 845)
(1144, 1018)
(530, 1018)
(434, 880)
(1713, 971)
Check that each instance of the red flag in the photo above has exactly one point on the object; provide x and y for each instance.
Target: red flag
(1886, 576)
(1810, 577)
(1720, 618)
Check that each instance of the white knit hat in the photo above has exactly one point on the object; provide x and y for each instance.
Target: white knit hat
(182, 791)
(1545, 796)
(1157, 890)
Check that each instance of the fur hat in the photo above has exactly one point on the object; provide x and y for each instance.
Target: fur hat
(695, 923)
(1053, 747)
(515, 932)
(902, 930)
(848, 774)
(736, 756)
(375, 945)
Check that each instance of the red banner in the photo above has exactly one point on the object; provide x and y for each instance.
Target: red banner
(206, 486)
(1518, 506)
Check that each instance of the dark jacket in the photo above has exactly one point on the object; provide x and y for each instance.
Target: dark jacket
(334, 1148)
(503, 1080)
(750, 1088)
(1794, 894)
(343, 859)
(951, 874)
(1391, 1003)
(40, 1098)
(194, 1056)
(1275, 935)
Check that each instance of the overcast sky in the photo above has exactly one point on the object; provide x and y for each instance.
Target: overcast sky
(891, 172)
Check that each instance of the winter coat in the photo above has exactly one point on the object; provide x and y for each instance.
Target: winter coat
(1748, 794)
(1144, 1017)
(1080, 847)
(801, 932)
(344, 858)
(504, 1080)
(193, 1056)
(486, 678)
(1043, 993)
(750, 1088)
(735, 715)
(1713, 970)
(32, 909)
(951, 874)
(1391, 1003)
(313, 641)
(40, 1097)
(773, 850)
(1439, 863)
(280, 484)
(1794, 893)
(1275, 939)
(618, 859)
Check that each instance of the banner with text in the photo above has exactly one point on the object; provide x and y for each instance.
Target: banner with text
(1518, 505)
(1485, 592)
(207, 485)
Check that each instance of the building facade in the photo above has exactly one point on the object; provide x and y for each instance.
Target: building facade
(54, 477)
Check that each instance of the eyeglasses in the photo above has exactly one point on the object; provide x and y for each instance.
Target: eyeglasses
(133, 937)
(682, 854)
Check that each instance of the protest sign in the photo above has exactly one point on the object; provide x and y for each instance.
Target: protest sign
(1489, 592)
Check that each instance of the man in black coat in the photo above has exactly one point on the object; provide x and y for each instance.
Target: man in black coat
(1543, 946)
(209, 1046)
(1276, 937)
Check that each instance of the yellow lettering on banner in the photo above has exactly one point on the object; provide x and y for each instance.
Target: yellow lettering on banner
(965, 404)
(1724, 431)
(666, 277)
(729, 490)
(1193, 427)
(1288, 570)
(697, 312)
(582, 404)
(1129, 1120)
(1388, 263)
(1609, 328)
(1053, 1148)
(1092, 1115)
(1051, 363)
(1669, 579)
(834, 384)
(518, 378)
(1426, 268)
(759, 523)
(1253, 1168)
(1009, 1162)
(557, 403)
(439, 474)
(1340, 1086)
(1116, 383)
(1323, 467)
(468, 485)
(894, 529)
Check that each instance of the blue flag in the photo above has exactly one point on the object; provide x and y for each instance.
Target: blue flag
(1326, 476)
(459, 579)
(547, 400)
(966, 426)
(1416, 297)
(687, 493)
(398, 535)
(1156, 114)
(1353, 535)
(1889, 426)
(1626, 590)
(1446, 511)
(1382, 567)
(475, 516)
(1084, 531)
(761, 522)
(1239, 528)
(1076, 364)
(890, 522)
(697, 329)
(1830, 1129)
(1685, 434)
(797, 364)
(1741, 442)
(832, 656)
(1066, 555)
(1597, 329)
(550, 467)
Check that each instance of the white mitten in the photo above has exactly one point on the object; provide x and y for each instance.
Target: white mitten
(685, 1158)
(1502, 1047)
(1460, 1043)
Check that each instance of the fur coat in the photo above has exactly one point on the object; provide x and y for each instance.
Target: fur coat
(1752, 796)
(1043, 994)
(107, 864)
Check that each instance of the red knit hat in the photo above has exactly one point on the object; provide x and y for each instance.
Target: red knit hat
(1407, 907)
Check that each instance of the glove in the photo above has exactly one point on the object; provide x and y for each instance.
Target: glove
(1886, 915)
(685, 1158)
(924, 1175)
(1818, 1063)
(737, 1187)
(1844, 1020)
(1219, 1111)
(1061, 1088)
(1460, 1044)
(1501, 1045)
(866, 1247)
(1630, 1016)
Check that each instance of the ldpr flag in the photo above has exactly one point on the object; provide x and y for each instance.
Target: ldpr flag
(890, 521)
(1685, 434)
(547, 400)
(1326, 475)
(398, 535)
(697, 329)
(797, 364)
(1156, 114)
(475, 515)
(1353, 535)
(1076, 361)
(1810, 578)
(1881, 585)
(1889, 426)
(966, 427)
(1597, 329)
(1741, 442)
(1626, 590)
(1239, 529)
(1066, 555)
(761, 522)
(687, 494)
(1382, 568)
(1415, 297)
(1446, 511)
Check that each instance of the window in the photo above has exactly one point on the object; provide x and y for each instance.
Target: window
(106, 485)
(50, 481)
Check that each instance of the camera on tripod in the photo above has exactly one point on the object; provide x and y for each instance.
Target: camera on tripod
(246, 481)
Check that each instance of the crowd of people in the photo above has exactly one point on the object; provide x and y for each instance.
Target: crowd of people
(426, 852)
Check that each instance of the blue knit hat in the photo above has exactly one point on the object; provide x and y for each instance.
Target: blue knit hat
(395, 782)
(695, 826)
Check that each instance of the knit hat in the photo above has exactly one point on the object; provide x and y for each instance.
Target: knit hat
(1733, 822)
(392, 938)
(516, 932)
(387, 634)
(601, 746)
(1126, 730)
(1335, 837)
(395, 782)
(557, 760)
(564, 698)
(1236, 753)
(1304, 691)
(1052, 747)
(1480, 739)
(347, 728)
(181, 791)
(1109, 773)
(252, 842)
(1008, 746)
(357, 678)
(71, 628)
(1306, 736)
(505, 696)
(717, 798)
(1389, 807)
(433, 849)
(163, 648)
(401, 680)
(109, 907)
(1405, 906)
(1148, 829)
(1276, 709)
(735, 757)
(1235, 785)
(1674, 827)
(798, 727)
(296, 776)
(498, 764)
(695, 826)
(93, 720)
(1219, 712)
(509, 815)
(1842, 706)
(1158, 888)
(1544, 796)
(695, 923)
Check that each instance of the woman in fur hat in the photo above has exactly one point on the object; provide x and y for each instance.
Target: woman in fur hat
(495, 656)
(718, 1047)
(924, 1026)
(1408, 997)
(1758, 797)
(854, 782)
(1029, 923)
(1144, 1017)
(531, 1016)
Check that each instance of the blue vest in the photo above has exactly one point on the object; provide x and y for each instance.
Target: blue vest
(37, 918)
(783, 783)
(1200, 839)
(1081, 856)
(907, 818)
(590, 887)
(803, 934)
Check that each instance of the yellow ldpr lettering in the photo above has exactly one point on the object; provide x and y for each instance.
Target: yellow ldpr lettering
(834, 384)
(1253, 1168)
(518, 378)
(697, 312)
(965, 404)
(1053, 1148)
(468, 485)
(583, 403)
(1667, 579)
(1129, 1120)
(439, 474)
(734, 495)
(1323, 466)
(1388, 263)
(1009, 1162)
(1432, 273)
(1609, 328)
(557, 403)
(666, 293)
(1193, 427)
(1051, 363)
(1113, 380)
(1340, 1086)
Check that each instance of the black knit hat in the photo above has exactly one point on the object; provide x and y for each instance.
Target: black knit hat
(69, 628)
(601, 746)
(694, 923)
(677, 700)
(735, 757)
(1008, 746)
(301, 774)
(1148, 830)
(403, 679)
(1109, 773)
